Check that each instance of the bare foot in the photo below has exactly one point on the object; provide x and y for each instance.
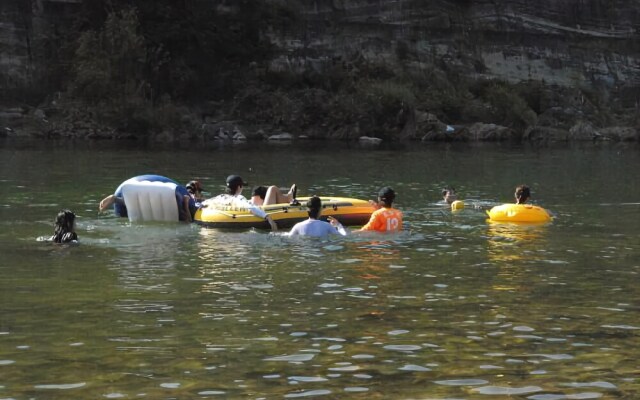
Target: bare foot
(293, 192)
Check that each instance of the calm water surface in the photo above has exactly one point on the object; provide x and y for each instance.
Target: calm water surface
(453, 308)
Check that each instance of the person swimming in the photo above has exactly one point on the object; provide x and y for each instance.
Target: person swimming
(522, 194)
(385, 218)
(65, 227)
(449, 194)
(314, 226)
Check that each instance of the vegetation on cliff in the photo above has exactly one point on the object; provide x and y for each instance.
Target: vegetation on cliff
(190, 67)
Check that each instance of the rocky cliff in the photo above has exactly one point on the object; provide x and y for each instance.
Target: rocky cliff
(584, 53)
(14, 46)
(561, 42)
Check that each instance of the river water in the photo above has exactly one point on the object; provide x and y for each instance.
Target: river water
(452, 308)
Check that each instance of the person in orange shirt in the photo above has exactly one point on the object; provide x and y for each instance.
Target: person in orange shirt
(385, 218)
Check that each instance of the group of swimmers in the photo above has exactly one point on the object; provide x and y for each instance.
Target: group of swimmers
(522, 194)
(385, 218)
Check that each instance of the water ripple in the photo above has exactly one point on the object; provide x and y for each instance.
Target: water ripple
(414, 368)
(461, 382)
(625, 327)
(308, 393)
(308, 379)
(507, 391)
(575, 396)
(292, 358)
(402, 347)
(598, 384)
(61, 386)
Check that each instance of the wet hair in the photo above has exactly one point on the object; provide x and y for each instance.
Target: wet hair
(522, 194)
(260, 191)
(314, 205)
(194, 186)
(386, 196)
(63, 231)
(449, 194)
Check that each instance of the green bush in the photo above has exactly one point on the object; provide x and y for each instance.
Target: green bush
(384, 105)
(110, 62)
(508, 107)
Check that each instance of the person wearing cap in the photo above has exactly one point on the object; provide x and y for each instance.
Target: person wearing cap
(234, 198)
(385, 218)
(315, 227)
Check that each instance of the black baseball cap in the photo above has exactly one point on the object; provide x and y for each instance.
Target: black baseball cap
(233, 181)
(387, 194)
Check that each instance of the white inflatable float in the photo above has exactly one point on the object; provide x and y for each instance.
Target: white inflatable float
(150, 201)
(151, 198)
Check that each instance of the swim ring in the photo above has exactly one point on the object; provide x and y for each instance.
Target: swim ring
(457, 205)
(518, 213)
(151, 198)
(346, 210)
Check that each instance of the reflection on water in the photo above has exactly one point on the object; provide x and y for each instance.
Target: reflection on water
(452, 308)
(514, 249)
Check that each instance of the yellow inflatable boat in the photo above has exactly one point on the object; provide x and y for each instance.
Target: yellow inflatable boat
(346, 210)
(518, 213)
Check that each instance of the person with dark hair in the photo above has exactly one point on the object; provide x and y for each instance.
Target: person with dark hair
(385, 218)
(264, 196)
(449, 195)
(258, 193)
(65, 227)
(195, 191)
(234, 198)
(314, 226)
(522, 194)
(194, 188)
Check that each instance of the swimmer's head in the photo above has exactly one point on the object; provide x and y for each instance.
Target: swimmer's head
(386, 195)
(522, 194)
(314, 207)
(449, 194)
(194, 186)
(65, 221)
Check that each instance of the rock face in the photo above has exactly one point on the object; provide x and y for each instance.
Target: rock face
(29, 30)
(562, 42)
(14, 38)
(579, 46)
(590, 43)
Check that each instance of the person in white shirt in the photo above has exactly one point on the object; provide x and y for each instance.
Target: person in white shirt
(234, 198)
(315, 227)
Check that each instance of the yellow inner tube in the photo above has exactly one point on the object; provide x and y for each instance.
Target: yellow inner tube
(346, 210)
(518, 213)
